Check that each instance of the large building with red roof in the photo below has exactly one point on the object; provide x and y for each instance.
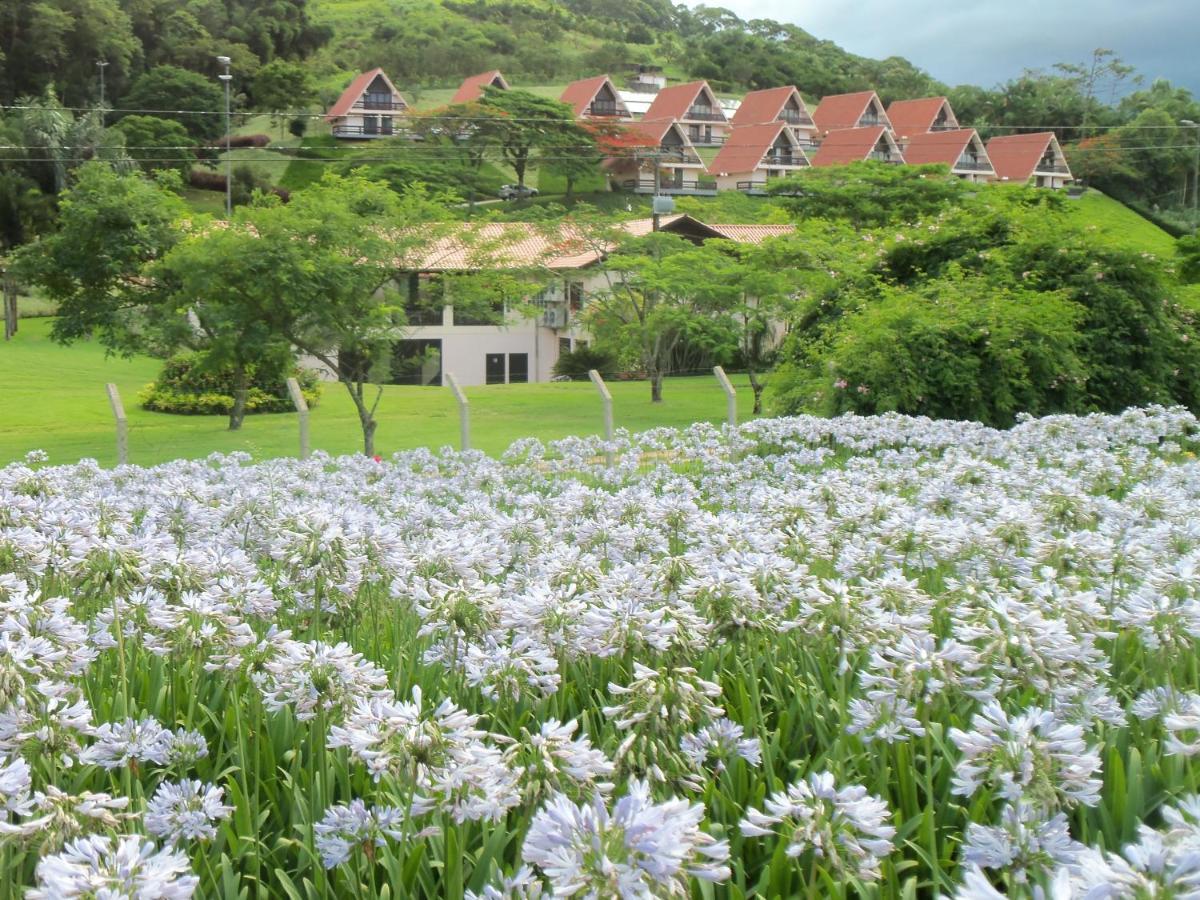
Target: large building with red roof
(781, 104)
(696, 108)
(960, 149)
(367, 108)
(595, 98)
(755, 154)
(858, 110)
(849, 145)
(913, 117)
(662, 145)
(472, 87)
(1035, 159)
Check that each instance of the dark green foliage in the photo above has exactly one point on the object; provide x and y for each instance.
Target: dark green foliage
(1188, 250)
(298, 126)
(577, 362)
(197, 100)
(1000, 306)
(157, 143)
(869, 194)
(190, 384)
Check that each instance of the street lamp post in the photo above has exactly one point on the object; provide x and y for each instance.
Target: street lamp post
(101, 64)
(1195, 176)
(227, 78)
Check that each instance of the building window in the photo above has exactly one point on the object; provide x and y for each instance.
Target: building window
(494, 368)
(574, 296)
(518, 368)
(564, 345)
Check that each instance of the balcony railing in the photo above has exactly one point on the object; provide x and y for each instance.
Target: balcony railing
(359, 131)
(796, 118)
(604, 108)
(707, 140)
(974, 165)
(383, 105)
(646, 186)
(1053, 168)
(869, 121)
(885, 158)
(784, 159)
(944, 126)
(675, 154)
(705, 114)
(752, 187)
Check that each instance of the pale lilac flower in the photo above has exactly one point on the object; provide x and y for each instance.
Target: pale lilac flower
(186, 811)
(129, 868)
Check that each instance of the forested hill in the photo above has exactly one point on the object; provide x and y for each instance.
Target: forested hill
(420, 43)
(436, 43)
(292, 54)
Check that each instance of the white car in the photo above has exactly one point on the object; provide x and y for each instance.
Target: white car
(516, 192)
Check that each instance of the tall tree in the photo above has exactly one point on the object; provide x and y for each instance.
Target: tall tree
(110, 228)
(190, 99)
(281, 86)
(526, 123)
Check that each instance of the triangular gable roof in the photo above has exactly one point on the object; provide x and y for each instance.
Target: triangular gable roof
(357, 88)
(841, 111)
(939, 146)
(849, 145)
(654, 130)
(765, 105)
(1015, 156)
(580, 94)
(746, 146)
(674, 102)
(472, 88)
(913, 117)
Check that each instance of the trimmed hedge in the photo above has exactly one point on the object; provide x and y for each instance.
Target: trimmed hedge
(187, 387)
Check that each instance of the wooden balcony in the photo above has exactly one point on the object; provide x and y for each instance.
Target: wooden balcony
(704, 114)
(364, 131)
(379, 105)
(784, 159)
(792, 118)
(602, 108)
(973, 165)
(1049, 167)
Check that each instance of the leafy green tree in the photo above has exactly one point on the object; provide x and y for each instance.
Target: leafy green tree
(110, 228)
(1188, 251)
(195, 102)
(661, 291)
(868, 194)
(280, 86)
(315, 275)
(59, 41)
(56, 141)
(156, 143)
(524, 124)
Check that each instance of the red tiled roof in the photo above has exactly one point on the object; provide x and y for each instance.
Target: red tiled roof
(763, 106)
(472, 88)
(838, 111)
(581, 93)
(937, 146)
(847, 145)
(356, 89)
(650, 130)
(913, 117)
(674, 102)
(745, 148)
(1015, 156)
(513, 245)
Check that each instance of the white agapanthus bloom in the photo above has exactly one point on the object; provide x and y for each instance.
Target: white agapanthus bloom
(846, 828)
(15, 785)
(720, 742)
(101, 867)
(312, 677)
(1025, 842)
(353, 826)
(639, 849)
(131, 742)
(185, 811)
(1030, 758)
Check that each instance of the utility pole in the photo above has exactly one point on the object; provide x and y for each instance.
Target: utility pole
(1195, 126)
(227, 78)
(102, 64)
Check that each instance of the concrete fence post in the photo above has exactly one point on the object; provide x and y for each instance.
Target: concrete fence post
(301, 405)
(730, 396)
(606, 399)
(464, 412)
(118, 411)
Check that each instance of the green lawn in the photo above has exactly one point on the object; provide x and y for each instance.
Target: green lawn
(1116, 220)
(53, 399)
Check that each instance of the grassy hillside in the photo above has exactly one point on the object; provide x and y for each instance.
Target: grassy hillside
(53, 399)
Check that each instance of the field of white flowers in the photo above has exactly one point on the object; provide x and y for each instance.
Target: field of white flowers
(878, 657)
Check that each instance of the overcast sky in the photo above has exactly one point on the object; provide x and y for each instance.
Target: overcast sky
(986, 42)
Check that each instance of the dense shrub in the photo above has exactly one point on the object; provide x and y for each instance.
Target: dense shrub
(241, 140)
(577, 362)
(998, 307)
(187, 386)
